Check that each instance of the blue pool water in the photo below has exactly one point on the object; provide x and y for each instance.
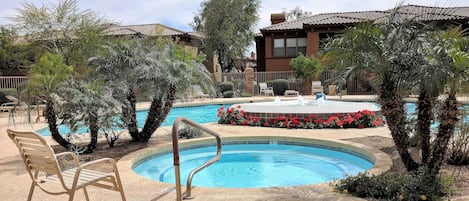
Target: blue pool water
(256, 166)
(199, 114)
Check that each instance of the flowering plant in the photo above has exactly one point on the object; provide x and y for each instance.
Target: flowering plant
(360, 119)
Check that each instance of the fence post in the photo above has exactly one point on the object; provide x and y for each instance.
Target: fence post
(249, 80)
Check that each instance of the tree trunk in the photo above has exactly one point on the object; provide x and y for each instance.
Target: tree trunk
(159, 109)
(424, 121)
(448, 118)
(130, 113)
(51, 118)
(94, 129)
(392, 107)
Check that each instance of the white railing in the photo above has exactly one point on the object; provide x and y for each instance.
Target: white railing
(12, 81)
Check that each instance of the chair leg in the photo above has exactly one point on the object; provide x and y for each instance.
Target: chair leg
(121, 188)
(86, 194)
(31, 190)
(72, 193)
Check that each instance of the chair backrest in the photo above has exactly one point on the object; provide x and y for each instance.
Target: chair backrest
(37, 155)
(12, 99)
(262, 86)
(316, 83)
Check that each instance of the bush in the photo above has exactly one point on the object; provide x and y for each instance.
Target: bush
(279, 85)
(458, 149)
(226, 86)
(245, 94)
(417, 185)
(189, 133)
(228, 94)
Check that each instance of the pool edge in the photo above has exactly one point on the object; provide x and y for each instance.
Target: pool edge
(382, 162)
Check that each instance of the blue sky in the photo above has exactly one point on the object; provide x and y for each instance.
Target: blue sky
(179, 13)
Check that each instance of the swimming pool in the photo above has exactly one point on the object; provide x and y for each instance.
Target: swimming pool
(258, 164)
(199, 114)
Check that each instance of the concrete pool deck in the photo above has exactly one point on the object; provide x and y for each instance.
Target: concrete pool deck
(15, 182)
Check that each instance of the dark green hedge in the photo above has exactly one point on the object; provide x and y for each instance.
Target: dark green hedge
(279, 85)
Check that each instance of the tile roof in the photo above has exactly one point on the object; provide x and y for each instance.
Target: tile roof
(343, 18)
(148, 30)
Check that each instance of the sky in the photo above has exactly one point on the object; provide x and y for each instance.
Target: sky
(179, 13)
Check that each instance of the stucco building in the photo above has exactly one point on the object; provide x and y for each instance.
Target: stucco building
(277, 44)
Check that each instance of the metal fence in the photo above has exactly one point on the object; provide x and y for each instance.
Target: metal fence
(12, 81)
(354, 86)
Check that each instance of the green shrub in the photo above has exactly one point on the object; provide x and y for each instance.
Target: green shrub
(189, 133)
(245, 94)
(226, 86)
(228, 94)
(458, 149)
(417, 185)
(279, 85)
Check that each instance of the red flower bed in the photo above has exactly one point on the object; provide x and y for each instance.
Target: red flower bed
(360, 119)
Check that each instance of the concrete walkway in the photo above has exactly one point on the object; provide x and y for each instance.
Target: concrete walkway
(15, 183)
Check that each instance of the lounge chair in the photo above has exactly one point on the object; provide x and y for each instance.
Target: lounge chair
(265, 90)
(316, 87)
(9, 106)
(199, 93)
(43, 167)
(291, 93)
(6, 107)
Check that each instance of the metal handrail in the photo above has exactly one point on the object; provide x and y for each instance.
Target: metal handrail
(176, 156)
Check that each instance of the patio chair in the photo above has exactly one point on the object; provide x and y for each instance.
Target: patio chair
(265, 90)
(43, 168)
(9, 106)
(316, 87)
(291, 93)
(198, 92)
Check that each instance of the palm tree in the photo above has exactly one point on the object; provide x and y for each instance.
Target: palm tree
(396, 51)
(87, 103)
(145, 68)
(45, 78)
(449, 54)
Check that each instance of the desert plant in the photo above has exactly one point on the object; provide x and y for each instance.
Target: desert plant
(188, 132)
(228, 94)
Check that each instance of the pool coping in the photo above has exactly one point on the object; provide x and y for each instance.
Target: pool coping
(382, 162)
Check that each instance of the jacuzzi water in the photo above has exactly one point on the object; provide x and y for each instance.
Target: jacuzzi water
(256, 166)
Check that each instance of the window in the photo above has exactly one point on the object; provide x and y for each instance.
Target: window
(289, 47)
(279, 47)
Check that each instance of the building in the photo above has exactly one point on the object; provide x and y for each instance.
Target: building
(283, 40)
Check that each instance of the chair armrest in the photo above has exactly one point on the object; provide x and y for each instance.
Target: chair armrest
(74, 156)
(270, 88)
(85, 165)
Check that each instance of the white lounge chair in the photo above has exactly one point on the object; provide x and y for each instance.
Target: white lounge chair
(43, 168)
(265, 90)
(291, 93)
(198, 92)
(316, 87)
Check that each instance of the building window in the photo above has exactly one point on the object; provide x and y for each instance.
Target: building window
(289, 47)
(279, 47)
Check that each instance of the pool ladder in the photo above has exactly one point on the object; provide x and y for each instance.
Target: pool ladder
(187, 194)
